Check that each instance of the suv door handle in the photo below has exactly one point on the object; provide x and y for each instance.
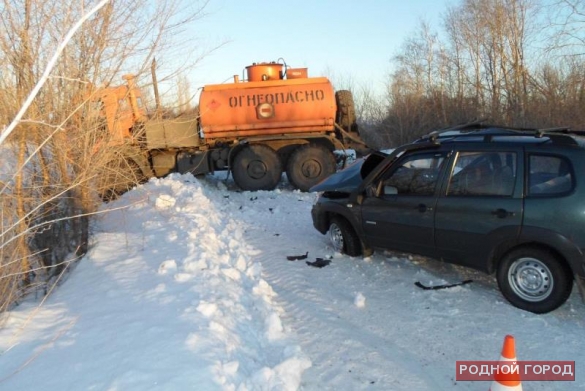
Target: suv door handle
(502, 213)
(422, 208)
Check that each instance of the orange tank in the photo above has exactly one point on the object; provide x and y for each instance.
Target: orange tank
(264, 71)
(267, 108)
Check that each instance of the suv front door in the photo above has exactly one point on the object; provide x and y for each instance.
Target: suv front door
(401, 215)
(480, 205)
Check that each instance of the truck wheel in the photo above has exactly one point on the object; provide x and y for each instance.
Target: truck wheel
(309, 165)
(343, 238)
(534, 280)
(117, 177)
(346, 110)
(257, 167)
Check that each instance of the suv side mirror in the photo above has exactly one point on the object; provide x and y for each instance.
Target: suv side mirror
(390, 190)
(380, 189)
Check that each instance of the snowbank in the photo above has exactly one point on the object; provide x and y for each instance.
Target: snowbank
(169, 298)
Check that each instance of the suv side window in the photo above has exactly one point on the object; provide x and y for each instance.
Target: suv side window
(483, 174)
(549, 175)
(416, 174)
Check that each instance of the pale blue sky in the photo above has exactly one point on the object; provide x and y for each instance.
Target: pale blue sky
(339, 38)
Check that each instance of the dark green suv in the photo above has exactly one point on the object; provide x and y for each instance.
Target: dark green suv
(497, 199)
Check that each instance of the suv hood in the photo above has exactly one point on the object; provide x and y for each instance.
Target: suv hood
(348, 179)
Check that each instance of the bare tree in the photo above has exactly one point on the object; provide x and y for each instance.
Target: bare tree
(489, 63)
(49, 195)
(568, 27)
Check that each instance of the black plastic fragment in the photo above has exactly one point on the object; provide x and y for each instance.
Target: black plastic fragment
(445, 286)
(319, 262)
(297, 257)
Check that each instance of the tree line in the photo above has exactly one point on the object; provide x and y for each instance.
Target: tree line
(511, 62)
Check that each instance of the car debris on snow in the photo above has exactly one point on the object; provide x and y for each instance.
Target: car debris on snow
(319, 262)
(297, 257)
(443, 286)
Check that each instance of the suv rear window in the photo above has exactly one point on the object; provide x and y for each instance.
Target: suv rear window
(549, 176)
(483, 174)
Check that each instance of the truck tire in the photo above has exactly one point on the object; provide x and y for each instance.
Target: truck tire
(117, 177)
(308, 165)
(346, 110)
(534, 280)
(257, 167)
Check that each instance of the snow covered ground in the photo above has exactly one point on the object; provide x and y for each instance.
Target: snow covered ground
(187, 287)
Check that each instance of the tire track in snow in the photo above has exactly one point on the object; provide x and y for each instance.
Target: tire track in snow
(323, 317)
(404, 338)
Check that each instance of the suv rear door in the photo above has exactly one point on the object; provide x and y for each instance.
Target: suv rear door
(480, 205)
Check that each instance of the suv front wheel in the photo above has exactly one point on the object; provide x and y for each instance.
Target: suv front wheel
(343, 238)
(534, 280)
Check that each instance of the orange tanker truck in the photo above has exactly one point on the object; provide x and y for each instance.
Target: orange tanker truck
(277, 119)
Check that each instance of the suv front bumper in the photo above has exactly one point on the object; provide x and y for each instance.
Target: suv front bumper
(319, 218)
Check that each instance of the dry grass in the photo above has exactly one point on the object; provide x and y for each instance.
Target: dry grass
(9, 262)
(52, 185)
(44, 217)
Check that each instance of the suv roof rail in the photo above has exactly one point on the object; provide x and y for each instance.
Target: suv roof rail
(472, 125)
(558, 135)
(565, 130)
